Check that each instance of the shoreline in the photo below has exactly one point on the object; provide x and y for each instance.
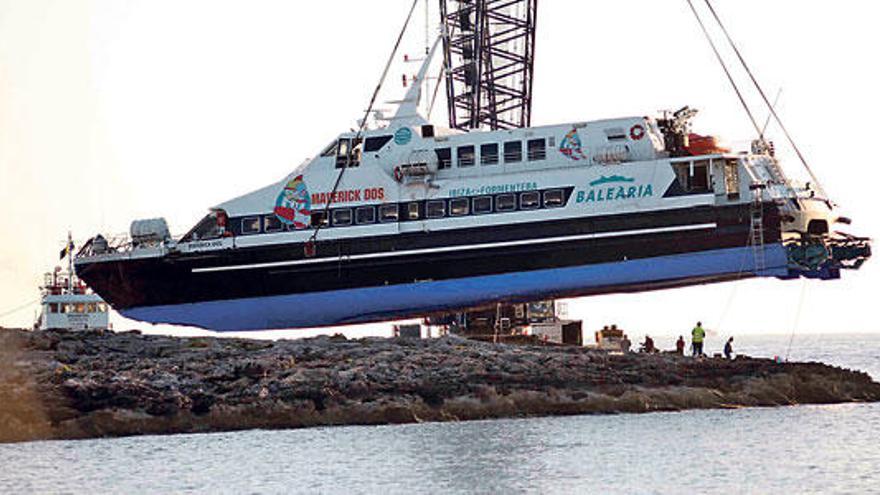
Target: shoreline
(65, 385)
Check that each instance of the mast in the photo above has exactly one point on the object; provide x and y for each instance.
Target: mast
(489, 57)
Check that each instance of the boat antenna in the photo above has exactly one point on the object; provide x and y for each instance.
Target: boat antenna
(739, 94)
(309, 247)
(778, 120)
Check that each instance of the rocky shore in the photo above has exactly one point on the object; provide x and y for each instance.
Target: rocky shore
(64, 385)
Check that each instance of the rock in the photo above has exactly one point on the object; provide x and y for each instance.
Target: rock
(82, 385)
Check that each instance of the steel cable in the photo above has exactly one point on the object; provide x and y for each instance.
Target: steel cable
(788, 137)
(739, 94)
(364, 121)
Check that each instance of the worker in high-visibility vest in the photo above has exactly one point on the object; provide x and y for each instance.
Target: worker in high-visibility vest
(698, 335)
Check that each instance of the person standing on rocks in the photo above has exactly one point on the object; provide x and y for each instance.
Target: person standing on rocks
(679, 345)
(698, 335)
(728, 349)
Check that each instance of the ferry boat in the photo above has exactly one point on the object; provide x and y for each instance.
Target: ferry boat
(66, 303)
(413, 219)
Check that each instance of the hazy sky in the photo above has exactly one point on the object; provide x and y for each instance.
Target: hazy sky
(112, 110)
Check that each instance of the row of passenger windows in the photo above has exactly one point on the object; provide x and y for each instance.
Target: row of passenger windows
(420, 210)
(492, 153)
(348, 152)
(77, 308)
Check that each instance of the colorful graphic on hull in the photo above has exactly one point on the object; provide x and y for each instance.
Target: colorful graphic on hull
(572, 147)
(294, 206)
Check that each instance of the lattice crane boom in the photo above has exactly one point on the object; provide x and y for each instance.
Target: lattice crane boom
(489, 54)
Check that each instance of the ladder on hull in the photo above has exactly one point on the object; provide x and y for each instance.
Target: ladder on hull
(756, 230)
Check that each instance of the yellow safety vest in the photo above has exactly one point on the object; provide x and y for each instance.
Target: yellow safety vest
(699, 334)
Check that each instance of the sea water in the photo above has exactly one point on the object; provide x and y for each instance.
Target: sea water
(802, 449)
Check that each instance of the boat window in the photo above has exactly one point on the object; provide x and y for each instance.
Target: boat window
(250, 225)
(53, 307)
(376, 143)
(483, 205)
(699, 181)
(62, 308)
(505, 202)
(271, 223)
(90, 308)
(342, 153)
(388, 213)
(365, 215)
(329, 150)
(554, 198)
(693, 183)
(341, 217)
(512, 152)
(348, 153)
(466, 156)
(489, 154)
(436, 209)
(357, 146)
(616, 134)
(731, 178)
(459, 207)
(208, 228)
(412, 211)
(317, 218)
(537, 149)
(444, 158)
(102, 307)
(530, 200)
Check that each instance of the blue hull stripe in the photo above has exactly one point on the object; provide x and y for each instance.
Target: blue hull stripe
(389, 302)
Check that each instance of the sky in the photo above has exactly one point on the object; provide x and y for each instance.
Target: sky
(113, 110)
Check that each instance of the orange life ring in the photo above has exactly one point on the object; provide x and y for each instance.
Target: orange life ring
(398, 174)
(637, 133)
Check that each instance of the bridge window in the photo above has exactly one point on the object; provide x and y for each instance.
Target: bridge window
(388, 213)
(53, 307)
(513, 152)
(459, 207)
(365, 215)
(444, 158)
(343, 150)
(530, 200)
(489, 154)
(348, 153)
(466, 156)
(271, 223)
(342, 217)
(483, 205)
(537, 149)
(436, 209)
(554, 198)
(376, 143)
(505, 202)
(330, 150)
(250, 225)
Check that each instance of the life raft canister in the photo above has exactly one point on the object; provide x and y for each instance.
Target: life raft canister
(637, 133)
(704, 145)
